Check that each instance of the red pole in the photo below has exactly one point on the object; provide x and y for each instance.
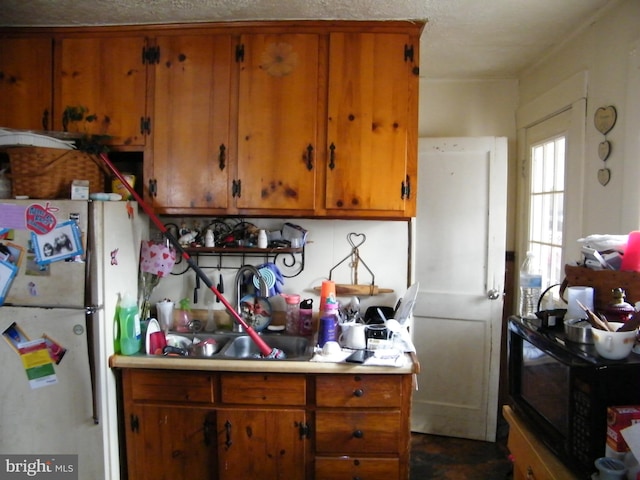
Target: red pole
(265, 350)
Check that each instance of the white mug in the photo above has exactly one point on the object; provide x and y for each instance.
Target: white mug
(353, 335)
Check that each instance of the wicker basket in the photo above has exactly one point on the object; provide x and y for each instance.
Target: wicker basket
(602, 281)
(39, 172)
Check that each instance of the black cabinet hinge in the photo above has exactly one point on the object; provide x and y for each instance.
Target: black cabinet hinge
(240, 53)
(405, 189)
(145, 125)
(135, 425)
(408, 53)
(153, 187)
(304, 430)
(150, 55)
(236, 188)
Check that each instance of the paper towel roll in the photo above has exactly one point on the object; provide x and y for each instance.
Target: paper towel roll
(583, 295)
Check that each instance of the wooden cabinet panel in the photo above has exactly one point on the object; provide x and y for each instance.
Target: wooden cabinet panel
(278, 122)
(359, 391)
(256, 443)
(107, 76)
(363, 468)
(260, 389)
(184, 387)
(192, 152)
(372, 124)
(358, 431)
(171, 442)
(25, 82)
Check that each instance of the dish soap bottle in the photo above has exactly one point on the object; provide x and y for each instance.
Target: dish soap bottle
(530, 287)
(129, 325)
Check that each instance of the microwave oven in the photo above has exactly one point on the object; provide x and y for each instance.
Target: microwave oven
(562, 389)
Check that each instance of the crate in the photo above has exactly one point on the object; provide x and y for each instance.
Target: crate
(40, 172)
(603, 282)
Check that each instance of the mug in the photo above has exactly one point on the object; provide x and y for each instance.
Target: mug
(613, 345)
(353, 335)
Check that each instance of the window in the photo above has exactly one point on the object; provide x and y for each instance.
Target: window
(546, 207)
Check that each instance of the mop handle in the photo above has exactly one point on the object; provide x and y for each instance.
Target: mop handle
(261, 344)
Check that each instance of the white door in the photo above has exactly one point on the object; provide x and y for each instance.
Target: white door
(459, 263)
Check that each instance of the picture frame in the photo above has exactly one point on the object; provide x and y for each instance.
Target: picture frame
(62, 242)
(8, 271)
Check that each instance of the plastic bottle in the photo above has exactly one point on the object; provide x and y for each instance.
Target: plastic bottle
(116, 328)
(530, 287)
(262, 239)
(129, 325)
(292, 314)
(306, 317)
(209, 239)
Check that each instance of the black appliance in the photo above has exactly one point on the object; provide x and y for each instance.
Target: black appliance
(562, 390)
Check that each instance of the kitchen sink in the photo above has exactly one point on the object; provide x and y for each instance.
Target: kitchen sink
(295, 348)
(233, 346)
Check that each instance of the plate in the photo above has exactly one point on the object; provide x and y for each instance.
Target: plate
(256, 311)
(405, 309)
(269, 278)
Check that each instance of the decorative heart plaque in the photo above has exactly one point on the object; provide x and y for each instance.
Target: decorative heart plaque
(605, 118)
(604, 150)
(604, 175)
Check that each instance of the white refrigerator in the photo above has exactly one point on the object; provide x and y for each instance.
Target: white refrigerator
(73, 302)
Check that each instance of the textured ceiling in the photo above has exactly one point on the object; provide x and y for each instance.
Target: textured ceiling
(463, 38)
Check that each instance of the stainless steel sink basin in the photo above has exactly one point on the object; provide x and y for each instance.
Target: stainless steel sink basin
(295, 348)
(241, 346)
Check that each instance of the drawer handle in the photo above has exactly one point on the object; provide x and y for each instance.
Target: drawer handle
(358, 434)
(358, 393)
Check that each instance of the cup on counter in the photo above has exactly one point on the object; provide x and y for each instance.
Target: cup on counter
(613, 345)
(157, 342)
(377, 335)
(353, 335)
(164, 310)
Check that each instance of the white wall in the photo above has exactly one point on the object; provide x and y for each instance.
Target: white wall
(385, 252)
(607, 51)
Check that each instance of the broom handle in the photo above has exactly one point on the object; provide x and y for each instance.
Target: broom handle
(261, 344)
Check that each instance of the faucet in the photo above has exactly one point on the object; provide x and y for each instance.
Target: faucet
(263, 291)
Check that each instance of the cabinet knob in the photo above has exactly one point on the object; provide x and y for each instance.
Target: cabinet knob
(358, 393)
(358, 434)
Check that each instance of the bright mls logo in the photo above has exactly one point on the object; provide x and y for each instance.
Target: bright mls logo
(43, 467)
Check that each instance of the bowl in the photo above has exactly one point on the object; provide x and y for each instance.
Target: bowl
(578, 330)
(614, 345)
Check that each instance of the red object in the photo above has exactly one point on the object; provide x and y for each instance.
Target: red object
(631, 257)
(265, 350)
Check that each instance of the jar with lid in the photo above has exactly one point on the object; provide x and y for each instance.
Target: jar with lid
(292, 313)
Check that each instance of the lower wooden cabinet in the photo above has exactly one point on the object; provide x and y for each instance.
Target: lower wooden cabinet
(237, 425)
(531, 459)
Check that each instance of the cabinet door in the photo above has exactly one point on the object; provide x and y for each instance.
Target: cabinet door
(191, 121)
(261, 443)
(277, 129)
(372, 124)
(107, 77)
(25, 83)
(170, 442)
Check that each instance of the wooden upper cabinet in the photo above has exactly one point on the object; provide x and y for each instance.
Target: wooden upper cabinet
(191, 123)
(106, 76)
(277, 122)
(25, 83)
(372, 124)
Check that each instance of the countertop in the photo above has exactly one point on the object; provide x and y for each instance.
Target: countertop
(269, 366)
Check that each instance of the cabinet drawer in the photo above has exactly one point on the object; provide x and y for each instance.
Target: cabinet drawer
(260, 389)
(170, 386)
(370, 431)
(359, 391)
(348, 468)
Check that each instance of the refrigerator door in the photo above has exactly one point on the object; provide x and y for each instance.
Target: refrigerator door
(58, 418)
(58, 284)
